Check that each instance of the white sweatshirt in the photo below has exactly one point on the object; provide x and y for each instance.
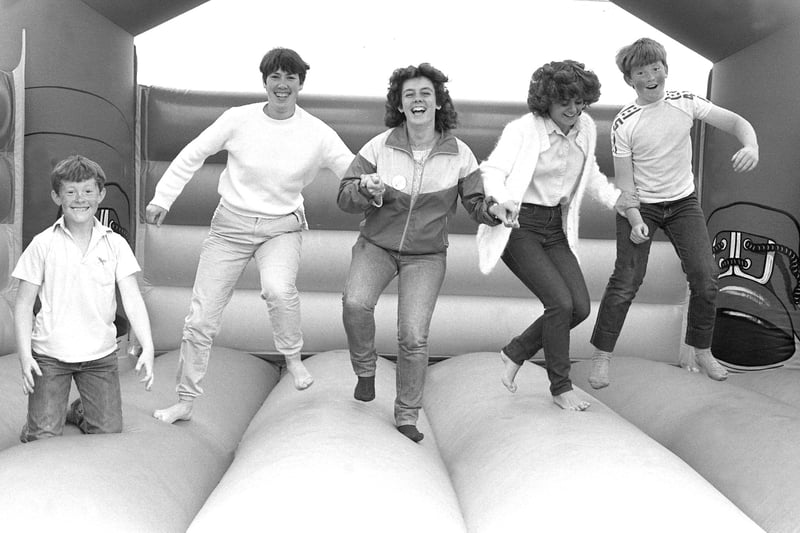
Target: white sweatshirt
(269, 161)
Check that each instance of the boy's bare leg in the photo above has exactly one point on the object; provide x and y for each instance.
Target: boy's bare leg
(510, 369)
(598, 378)
(302, 377)
(707, 362)
(179, 411)
(570, 401)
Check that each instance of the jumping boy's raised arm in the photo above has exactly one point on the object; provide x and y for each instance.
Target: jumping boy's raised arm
(746, 158)
(140, 322)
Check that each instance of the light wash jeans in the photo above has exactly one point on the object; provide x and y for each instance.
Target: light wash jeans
(232, 241)
(419, 279)
(98, 385)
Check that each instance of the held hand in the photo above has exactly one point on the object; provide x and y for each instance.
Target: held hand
(745, 159)
(373, 184)
(145, 363)
(510, 215)
(639, 233)
(154, 214)
(29, 366)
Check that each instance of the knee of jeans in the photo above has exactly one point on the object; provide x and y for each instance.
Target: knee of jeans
(199, 334)
(562, 306)
(277, 291)
(580, 312)
(704, 286)
(413, 341)
(352, 306)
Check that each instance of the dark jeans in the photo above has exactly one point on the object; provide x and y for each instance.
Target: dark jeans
(539, 255)
(684, 224)
(98, 385)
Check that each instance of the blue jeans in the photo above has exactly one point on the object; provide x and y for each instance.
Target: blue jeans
(232, 241)
(98, 385)
(419, 279)
(684, 224)
(539, 255)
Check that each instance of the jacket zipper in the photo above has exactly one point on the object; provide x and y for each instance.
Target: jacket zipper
(413, 198)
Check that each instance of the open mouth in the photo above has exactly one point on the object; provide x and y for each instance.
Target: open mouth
(418, 110)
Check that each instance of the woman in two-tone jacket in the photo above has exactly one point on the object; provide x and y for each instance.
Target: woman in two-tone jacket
(540, 169)
(406, 181)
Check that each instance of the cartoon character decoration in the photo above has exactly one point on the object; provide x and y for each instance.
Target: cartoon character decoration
(758, 306)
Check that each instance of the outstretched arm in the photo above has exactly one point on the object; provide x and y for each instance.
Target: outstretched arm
(746, 158)
(23, 323)
(137, 315)
(623, 177)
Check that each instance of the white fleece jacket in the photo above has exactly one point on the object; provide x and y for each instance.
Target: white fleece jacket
(508, 171)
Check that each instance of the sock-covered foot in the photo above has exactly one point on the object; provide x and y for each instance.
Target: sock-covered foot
(570, 401)
(302, 377)
(365, 389)
(411, 432)
(75, 413)
(707, 362)
(598, 378)
(180, 411)
(510, 369)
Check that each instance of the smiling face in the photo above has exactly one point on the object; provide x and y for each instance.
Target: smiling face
(566, 113)
(79, 201)
(418, 101)
(648, 82)
(282, 89)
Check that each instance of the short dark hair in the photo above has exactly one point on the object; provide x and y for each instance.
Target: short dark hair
(76, 168)
(446, 116)
(284, 59)
(641, 52)
(558, 81)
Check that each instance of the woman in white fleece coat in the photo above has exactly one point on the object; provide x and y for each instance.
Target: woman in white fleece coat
(540, 169)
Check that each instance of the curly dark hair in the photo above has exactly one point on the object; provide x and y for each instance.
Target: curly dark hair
(446, 116)
(558, 81)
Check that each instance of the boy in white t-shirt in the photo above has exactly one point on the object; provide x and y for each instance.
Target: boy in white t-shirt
(652, 151)
(73, 267)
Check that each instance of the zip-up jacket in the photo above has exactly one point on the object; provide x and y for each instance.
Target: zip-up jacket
(406, 223)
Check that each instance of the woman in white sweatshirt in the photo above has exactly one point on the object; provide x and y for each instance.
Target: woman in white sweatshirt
(540, 169)
(275, 149)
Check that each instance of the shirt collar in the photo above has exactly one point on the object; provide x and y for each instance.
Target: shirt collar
(552, 128)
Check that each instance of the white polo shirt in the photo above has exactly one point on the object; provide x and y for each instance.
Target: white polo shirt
(77, 291)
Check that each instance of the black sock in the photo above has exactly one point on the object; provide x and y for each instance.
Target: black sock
(365, 389)
(411, 432)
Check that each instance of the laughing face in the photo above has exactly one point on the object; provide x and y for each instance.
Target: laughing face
(418, 101)
(566, 113)
(282, 89)
(79, 200)
(648, 82)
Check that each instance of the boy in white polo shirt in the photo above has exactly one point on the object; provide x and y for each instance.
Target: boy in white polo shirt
(652, 151)
(73, 267)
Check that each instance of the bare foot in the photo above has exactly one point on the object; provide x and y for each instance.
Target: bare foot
(712, 367)
(598, 378)
(180, 411)
(302, 377)
(687, 360)
(570, 401)
(510, 369)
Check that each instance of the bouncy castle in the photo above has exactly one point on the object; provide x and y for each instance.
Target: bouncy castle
(660, 450)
